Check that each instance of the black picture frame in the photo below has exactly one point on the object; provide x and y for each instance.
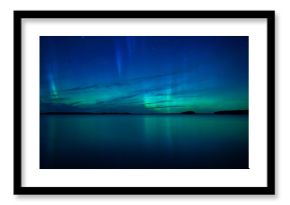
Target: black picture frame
(269, 189)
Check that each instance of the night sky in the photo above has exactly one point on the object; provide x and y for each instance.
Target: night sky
(143, 74)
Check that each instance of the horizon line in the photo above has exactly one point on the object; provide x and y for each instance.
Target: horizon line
(128, 113)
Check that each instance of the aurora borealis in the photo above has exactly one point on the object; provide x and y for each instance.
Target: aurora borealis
(143, 74)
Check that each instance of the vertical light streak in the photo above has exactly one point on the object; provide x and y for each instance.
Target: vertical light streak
(130, 45)
(53, 89)
(118, 54)
(168, 97)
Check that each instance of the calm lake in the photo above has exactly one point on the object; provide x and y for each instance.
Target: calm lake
(144, 141)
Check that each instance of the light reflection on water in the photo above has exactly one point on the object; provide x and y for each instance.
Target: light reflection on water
(144, 141)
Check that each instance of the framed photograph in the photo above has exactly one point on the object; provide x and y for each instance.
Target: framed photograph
(144, 102)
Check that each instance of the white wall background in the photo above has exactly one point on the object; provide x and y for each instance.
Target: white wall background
(282, 98)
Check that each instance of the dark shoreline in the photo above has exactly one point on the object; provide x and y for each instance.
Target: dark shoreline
(228, 112)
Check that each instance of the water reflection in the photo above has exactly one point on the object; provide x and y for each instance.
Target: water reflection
(147, 142)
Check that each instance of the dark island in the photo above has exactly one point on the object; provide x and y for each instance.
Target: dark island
(232, 112)
(188, 113)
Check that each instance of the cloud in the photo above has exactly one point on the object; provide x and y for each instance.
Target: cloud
(169, 106)
(160, 101)
(117, 84)
(59, 107)
(117, 99)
